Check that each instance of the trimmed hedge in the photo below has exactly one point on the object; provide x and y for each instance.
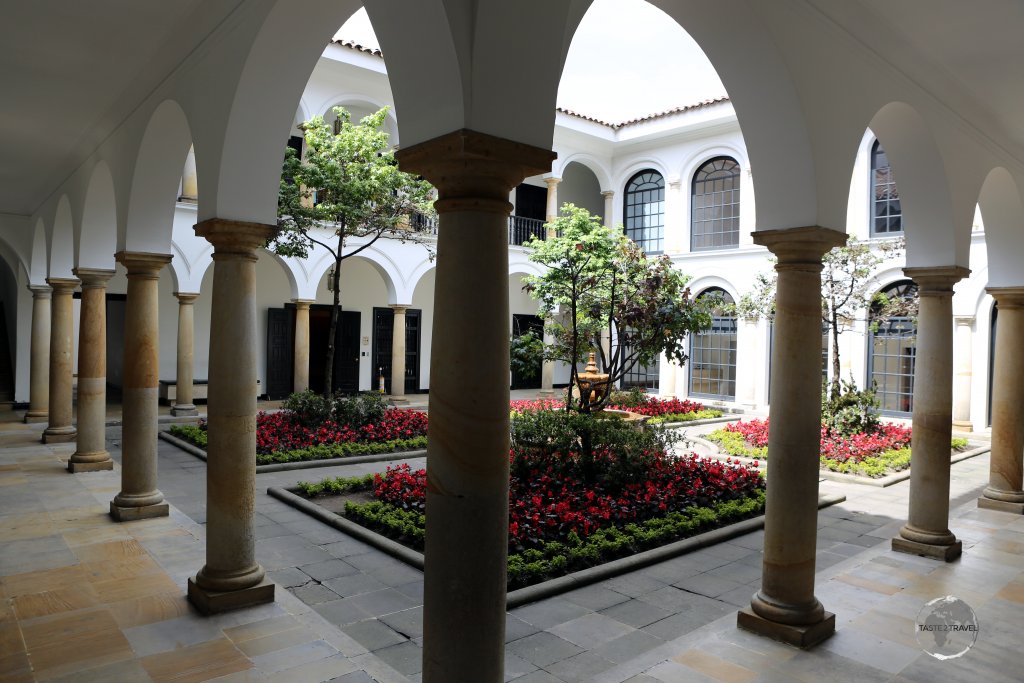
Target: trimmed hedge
(706, 414)
(197, 436)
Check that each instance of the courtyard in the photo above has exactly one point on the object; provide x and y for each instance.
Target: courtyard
(88, 599)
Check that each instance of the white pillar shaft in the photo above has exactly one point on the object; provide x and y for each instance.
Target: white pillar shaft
(552, 203)
(59, 427)
(963, 374)
(547, 368)
(609, 208)
(398, 352)
(39, 372)
(91, 453)
(189, 179)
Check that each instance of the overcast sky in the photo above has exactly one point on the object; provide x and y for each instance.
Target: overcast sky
(627, 59)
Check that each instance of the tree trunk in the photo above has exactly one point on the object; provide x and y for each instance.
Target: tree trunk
(333, 331)
(836, 387)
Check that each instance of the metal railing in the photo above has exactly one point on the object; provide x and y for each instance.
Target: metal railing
(521, 230)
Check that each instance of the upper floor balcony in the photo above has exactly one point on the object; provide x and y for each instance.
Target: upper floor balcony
(520, 229)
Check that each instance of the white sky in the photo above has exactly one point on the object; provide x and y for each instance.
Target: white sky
(628, 59)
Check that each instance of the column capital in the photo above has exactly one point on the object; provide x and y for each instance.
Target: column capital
(607, 193)
(936, 280)
(93, 277)
(239, 238)
(142, 263)
(474, 171)
(965, 320)
(675, 181)
(794, 246)
(400, 308)
(1007, 297)
(41, 291)
(551, 181)
(186, 298)
(63, 285)
(303, 304)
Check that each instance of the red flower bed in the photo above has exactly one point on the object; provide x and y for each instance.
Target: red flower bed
(283, 432)
(656, 407)
(523, 405)
(835, 446)
(548, 505)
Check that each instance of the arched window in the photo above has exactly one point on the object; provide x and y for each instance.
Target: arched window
(892, 347)
(645, 211)
(886, 213)
(715, 216)
(713, 354)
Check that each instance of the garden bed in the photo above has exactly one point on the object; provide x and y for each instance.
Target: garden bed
(878, 459)
(325, 509)
(317, 432)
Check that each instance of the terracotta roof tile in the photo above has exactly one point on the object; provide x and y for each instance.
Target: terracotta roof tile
(648, 117)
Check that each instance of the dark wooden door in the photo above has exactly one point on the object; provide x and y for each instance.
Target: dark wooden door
(383, 334)
(280, 353)
(345, 377)
(521, 324)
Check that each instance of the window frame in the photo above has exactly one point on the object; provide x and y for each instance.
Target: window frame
(728, 238)
(629, 216)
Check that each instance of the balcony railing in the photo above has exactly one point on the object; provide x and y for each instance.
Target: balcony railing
(520, 229)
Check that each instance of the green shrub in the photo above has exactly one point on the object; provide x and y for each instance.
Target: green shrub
(194, 434)
(706, 414)
(343, 449)
(633, 398)
(958, 443)
(360, 410)
(309, 408)
(853, 411)
(735, 445)
(332, 486)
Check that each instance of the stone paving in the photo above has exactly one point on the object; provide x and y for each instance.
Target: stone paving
(349, 613)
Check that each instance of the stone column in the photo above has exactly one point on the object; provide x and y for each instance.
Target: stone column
(183, 406)
(1006, 467)
(139, 497)
(609, 207)
(91, 454)
(398, 355)
(231, 577)
(467, 454)
(547, 370)
(963, 373)
(300, 380)
(785, 608)
(39, 377)
(551, 211)
(927, 529)
(59, 428)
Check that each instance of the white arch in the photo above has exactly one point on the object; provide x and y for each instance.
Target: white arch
(96, 238)
(918, 166)
(61, 241)
(39, 256)
(636, 167)
(694, 161)
(699, 285)
(600, 171)
(156, 179)
(1003, 213)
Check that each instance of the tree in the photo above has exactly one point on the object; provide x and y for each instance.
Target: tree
(845, 293)
(600, 288)
(347, 186)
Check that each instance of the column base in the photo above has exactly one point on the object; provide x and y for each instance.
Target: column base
(962, 426)
(802, 636)
(184, 410)
(100, 466)
(545, 393)
(36, 418)
(214, 602)
(946, 553)
(1001, 505)
(398, 400)
(122, 513)
(60, 435)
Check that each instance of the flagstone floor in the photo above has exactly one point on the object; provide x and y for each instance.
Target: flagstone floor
(85, 599)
